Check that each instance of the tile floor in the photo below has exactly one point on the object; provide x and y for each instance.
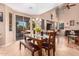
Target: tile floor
(61, 49)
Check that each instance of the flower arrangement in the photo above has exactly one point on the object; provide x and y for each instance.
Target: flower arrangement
(37, 29)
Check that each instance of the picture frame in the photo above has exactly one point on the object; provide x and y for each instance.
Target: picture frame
(1, 16)
(72, 22)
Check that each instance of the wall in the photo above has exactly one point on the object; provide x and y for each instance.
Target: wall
(9, 36)
(47, 16)
(2, 26)
(65, 15)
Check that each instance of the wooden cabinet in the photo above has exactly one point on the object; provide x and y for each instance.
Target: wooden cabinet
(77, 41)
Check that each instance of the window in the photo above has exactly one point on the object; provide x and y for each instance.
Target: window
(61, 26)
(42, 24)
(49, 26)
(1, 16)
(22, 23)
(10, 21)
(27, 23)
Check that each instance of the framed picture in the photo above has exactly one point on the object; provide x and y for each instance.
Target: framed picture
(72, 22)
(1, 16)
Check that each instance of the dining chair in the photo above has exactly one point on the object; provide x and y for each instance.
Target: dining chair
(50, 44)
(29, 45)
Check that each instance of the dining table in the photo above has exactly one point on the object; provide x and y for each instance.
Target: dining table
(39, 39)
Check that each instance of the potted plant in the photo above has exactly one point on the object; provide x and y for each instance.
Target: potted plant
(37, 29)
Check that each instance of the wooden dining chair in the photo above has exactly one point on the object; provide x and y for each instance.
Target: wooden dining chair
(29, 45)
(50, 44)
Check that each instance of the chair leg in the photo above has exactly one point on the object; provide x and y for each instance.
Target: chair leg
(54, 51)
(32, 53)
(48, 52)
(45, 50)
(20, 46)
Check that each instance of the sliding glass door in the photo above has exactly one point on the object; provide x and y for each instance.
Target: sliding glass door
(22, 23)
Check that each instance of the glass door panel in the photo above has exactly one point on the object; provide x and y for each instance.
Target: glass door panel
(22, 23)
(19, 27)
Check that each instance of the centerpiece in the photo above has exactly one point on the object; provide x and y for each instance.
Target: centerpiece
(37, 30)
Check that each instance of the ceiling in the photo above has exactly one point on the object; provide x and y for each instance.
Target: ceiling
(32, 8)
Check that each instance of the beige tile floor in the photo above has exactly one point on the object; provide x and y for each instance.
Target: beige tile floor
(61, 49)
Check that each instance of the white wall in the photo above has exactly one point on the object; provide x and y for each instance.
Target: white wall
(65, 15)
(47, 16)
(9, 36)
(2, 26)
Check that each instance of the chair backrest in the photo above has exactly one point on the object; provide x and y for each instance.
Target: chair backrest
(51, 39)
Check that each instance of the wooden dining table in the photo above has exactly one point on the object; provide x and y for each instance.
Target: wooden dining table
(39, 39)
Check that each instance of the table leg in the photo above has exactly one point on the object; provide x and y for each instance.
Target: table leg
(54, 51)
(40, 51)
(68, 40)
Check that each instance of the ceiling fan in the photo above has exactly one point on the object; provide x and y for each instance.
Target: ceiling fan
(69, 5)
